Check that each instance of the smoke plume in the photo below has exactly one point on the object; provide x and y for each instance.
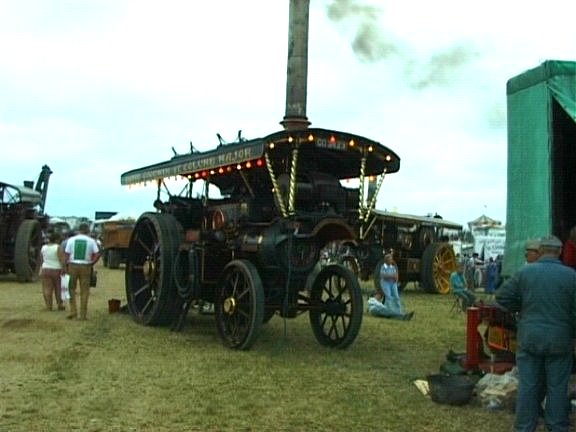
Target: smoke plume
(373, 43)
(369, 43)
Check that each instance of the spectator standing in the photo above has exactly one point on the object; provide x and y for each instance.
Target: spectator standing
(469, 270)
(478, 271)
(544, 295)
(51, 269)
(64, 236)
(491, 277)
(389, 285)
(499, 259)
(532, 253)
(82, 253)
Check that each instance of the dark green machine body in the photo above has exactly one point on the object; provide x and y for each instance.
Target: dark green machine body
(22, 221)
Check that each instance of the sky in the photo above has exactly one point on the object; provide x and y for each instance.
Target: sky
(97, 88)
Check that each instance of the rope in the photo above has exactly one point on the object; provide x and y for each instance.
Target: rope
(277, 195)
(292, 186)
(373, 200)
(361, 191)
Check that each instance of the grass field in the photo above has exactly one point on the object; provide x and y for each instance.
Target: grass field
(111, 374)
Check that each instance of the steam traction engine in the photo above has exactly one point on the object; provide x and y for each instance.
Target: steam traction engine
(253, 249)
(420, 246)
(22, 220)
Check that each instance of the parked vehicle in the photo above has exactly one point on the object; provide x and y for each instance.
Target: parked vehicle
(114, 236)
(420, 245)
(22, 221)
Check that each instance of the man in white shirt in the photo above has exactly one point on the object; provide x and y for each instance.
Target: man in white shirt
(82, 253)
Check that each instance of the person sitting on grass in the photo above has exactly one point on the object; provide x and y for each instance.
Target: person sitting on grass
(377, 308)
(459, 289)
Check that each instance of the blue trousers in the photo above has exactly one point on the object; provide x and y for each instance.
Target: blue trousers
(539, 373)
(392, 297)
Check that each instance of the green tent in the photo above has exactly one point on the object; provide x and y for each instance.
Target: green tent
(541, 157)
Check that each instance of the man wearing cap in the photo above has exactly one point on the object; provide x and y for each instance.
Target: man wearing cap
(531, 251)
(544, 294)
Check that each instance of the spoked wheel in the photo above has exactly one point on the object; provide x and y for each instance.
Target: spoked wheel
(150, 289)
(336, 307)
(27, 250)
(438, 263)
(239, 305)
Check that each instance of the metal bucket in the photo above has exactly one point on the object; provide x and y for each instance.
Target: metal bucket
(113, 305)
(450, 389)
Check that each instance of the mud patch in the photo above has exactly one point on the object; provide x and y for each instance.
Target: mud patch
(18, 323)
(27, 323)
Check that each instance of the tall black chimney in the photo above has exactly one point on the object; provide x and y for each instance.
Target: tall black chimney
(297, 72)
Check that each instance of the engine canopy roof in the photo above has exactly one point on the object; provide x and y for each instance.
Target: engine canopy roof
(321, 150)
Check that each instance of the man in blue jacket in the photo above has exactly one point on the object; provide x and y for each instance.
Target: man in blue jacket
(544, 295)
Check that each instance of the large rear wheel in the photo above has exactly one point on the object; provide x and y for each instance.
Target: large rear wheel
(239, 305)
(438, 263)
(150, 289)
(336, 307)
(27, 250)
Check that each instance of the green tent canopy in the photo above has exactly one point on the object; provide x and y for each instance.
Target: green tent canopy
(541, 157)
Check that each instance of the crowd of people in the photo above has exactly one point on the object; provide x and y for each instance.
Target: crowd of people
(481, 273)
(72, 256)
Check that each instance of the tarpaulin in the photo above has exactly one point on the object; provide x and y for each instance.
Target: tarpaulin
(530, 97)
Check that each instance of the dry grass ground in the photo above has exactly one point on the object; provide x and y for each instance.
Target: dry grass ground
(110, 374)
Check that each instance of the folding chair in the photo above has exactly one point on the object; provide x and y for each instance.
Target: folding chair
(457, 305)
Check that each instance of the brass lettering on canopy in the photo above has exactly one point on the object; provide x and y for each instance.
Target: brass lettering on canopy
(336, 145)
(193, 163)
